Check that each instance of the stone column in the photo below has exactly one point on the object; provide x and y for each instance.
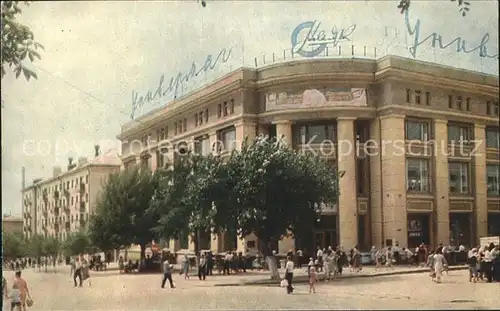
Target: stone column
(441, 178)
(481, 198)
(245, 130)
(284, 129)
(395, 218)
(348, 203)
(374, 155)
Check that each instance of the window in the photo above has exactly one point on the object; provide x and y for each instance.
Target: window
(231, 107)
(195, 119)
(459, 102)
(458, 134)
(86, 179)
(166, 132)
(450, 101)
(184, 125)
(228, 139)
(206, 115)
(200, 118)
(225, 110)
(493, 179)
(467, 104)
(315, 133)
(495, 109)
(492, 137)
(417, 130)
(162, 134)
(175, 128)
(219, 111)
(361, 177)
(417, 175)
(428, 98)
(202, 146)
(408, 95)
(160, 160)
(418, 97)
(459, 178)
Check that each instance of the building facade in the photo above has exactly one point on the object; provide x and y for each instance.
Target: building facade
(11, 224)
(418, 143)
(61, 205)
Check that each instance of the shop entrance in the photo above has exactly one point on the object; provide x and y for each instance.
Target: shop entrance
(493, 224)
(325, 233)
(460, 229)
(418, 230)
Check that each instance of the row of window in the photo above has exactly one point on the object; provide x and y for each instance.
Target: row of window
(180, 126)
(201, 117)
(457, 102)
(418, 97)
(492, 109)
(420, 130)
(64, 186)
(418, 177)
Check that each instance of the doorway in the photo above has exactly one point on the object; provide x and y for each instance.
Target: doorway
(460, 229)
(493, 224)
(418, 230)
(325, 238)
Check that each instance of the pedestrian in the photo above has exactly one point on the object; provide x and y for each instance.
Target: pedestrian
(439, 262)
(472, 262)
(167, 274)
(15, 298)
(310, 265)
(77, 272)
(289, 266)
(488, 262)
(202, 268)
(121, 264)
(86, 271)
(313, 278)
(22, 285)
(185, 267)
(319, 258)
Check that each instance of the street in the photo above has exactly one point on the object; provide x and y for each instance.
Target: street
(112, 291)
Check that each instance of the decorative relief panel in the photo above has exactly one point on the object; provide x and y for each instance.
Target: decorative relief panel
(492, 154)
(354, 97)
(362, 207)
(460, 206)
(494, 206)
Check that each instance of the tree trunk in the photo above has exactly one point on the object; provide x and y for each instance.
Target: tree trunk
(271, 260)
(196, 242)
(142, 261)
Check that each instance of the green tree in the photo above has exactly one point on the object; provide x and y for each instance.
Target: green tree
(13, 246)
(272, 189)
(36, 248)
(17, 41)
(52, 248)
(76, 244)
(123, 216)
(185, 197)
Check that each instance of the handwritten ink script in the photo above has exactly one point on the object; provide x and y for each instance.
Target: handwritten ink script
(317, 40)
(436, 41)
(178, 82)
(463, 6)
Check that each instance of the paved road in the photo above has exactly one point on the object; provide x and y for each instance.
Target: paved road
(111, 291)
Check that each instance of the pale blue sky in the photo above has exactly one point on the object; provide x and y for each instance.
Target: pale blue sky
(96, 53)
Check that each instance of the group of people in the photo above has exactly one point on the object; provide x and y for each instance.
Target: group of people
(19, 295)
(484, 264)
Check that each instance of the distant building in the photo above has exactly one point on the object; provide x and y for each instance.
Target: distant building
(11, 224)
(60, 205)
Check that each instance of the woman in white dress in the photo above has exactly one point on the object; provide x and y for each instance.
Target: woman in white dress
(439, 262)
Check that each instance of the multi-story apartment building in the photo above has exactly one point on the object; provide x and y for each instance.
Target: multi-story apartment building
(427, 140)
(61, 204)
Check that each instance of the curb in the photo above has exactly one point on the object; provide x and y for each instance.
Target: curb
(302, 280)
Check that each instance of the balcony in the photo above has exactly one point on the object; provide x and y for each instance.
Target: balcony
(82, 207)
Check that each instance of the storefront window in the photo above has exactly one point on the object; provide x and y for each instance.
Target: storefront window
(492, 137)
(417, 130)
(458, 134)
(493, 177)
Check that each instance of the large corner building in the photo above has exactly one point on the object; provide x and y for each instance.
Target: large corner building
(433, 178)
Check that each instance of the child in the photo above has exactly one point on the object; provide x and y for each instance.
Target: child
(15, 296)
(310, 265)
(313, 278)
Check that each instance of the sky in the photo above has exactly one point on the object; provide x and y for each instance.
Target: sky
(98, 54)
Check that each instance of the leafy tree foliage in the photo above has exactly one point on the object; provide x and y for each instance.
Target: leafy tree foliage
(17, 41)
(13, 246)
(76, 244)
(272, 189)
(185, 197)
(123, 216)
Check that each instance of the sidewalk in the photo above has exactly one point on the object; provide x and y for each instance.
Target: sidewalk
(300, 275)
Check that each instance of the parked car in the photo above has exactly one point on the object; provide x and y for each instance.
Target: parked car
(366, 258)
